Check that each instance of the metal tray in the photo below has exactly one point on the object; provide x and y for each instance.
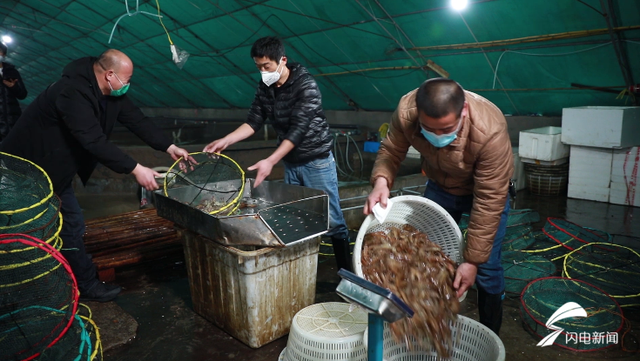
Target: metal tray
(378, 300)
(274, 214)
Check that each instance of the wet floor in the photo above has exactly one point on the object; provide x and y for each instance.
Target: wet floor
(157, 296)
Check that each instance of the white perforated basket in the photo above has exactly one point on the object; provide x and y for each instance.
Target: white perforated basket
(423, 214)
(327, 331)
(472, 341)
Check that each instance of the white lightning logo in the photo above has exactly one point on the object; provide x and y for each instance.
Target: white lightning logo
(569, 309)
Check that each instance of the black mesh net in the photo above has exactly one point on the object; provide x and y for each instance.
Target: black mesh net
(211, 182)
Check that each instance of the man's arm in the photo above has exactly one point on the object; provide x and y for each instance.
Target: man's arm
(241, 133)
(493, 169)
(142, 126)
(78, 116)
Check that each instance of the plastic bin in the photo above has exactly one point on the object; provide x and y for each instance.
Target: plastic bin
(542, 144)
(252, 294)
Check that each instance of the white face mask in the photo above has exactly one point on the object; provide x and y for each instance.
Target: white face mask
(2, 58)
(270, 77)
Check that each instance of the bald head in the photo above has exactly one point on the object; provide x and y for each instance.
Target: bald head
(115, 60)
(113, 70)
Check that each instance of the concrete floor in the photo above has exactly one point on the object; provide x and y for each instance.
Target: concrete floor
(157, 296)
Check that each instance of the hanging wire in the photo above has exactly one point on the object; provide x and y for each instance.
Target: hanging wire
(495, 73)
(138, 11)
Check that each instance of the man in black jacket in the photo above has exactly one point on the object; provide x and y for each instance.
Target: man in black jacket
(12, 89)
(289, 98)
(66, 129)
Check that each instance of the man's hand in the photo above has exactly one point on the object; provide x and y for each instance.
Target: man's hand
(10, 83)
(217, 146)
(177, 153)
(379, 194)
(146, 177)
(264, 168)
(465, 277)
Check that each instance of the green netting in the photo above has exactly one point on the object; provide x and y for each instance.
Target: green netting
(46, 227)
(520, 217)
(80, 343)
(613, 268)
(34, 279)
(542, 245)
(521, 268)
(570, 234)
(520, 239)
(26, 190)
(598, 329)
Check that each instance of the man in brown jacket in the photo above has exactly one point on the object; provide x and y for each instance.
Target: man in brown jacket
(466, 154)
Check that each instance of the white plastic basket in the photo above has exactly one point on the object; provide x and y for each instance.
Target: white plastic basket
(327, 331)
(472, 341)
(423, 214)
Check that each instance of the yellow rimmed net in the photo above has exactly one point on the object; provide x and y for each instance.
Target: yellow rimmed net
(211, 182)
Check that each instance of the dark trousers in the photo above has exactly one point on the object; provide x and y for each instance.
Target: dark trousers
(72, 240)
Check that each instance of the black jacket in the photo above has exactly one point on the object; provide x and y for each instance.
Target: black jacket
(66, 129)
(9, 108)
(295, 111)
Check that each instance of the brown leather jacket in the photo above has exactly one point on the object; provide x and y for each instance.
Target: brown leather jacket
(478, 162)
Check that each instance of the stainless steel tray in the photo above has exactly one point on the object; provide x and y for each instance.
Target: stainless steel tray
(274, 214)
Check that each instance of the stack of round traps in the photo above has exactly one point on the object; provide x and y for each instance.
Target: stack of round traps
(327, 331)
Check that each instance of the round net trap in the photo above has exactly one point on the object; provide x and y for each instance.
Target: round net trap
(38, 296)
(517, 238)
(46, 227)
(520, 217)
(539, 244)
(569, 234)
(572, 314)
(211, 182)
(327, 331)
(25, 189)
(521, 268)
(613, 268)
(81, 342)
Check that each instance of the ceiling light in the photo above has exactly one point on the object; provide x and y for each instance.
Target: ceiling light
(459, 4)
(6, 39)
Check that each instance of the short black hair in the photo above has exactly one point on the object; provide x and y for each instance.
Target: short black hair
(438, 97)
(270, 47)
(3, 48)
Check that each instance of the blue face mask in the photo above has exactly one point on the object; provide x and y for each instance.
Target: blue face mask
(440, 141)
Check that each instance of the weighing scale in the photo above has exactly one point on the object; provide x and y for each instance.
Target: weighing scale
(381, 303)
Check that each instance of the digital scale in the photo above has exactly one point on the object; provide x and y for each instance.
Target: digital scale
(382, 304)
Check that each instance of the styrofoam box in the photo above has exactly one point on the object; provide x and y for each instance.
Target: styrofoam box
(623, 164)
(603, 127)
(519, 179)
(542, 144)
(590, 173)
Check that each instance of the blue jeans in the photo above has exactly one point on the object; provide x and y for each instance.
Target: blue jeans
(321, 174)
(490, 276)
(72, 234)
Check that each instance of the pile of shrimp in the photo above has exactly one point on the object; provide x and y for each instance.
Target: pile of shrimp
(403, 260)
